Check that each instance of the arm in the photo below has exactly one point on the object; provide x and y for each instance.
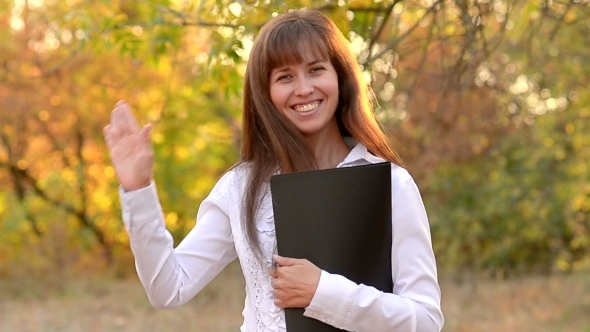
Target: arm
(171, 277)
(414, 305)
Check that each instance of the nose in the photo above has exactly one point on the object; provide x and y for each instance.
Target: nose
(303, 86)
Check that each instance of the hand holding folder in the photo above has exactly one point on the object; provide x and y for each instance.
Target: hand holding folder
(340, 220)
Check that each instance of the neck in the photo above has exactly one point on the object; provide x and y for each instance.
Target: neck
(328, 147)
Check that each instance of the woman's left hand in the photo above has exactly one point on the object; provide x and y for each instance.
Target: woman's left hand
(294, 282)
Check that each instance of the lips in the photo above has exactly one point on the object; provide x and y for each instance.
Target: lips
(306, 108)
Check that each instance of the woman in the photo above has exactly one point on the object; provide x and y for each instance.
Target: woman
(305, 108)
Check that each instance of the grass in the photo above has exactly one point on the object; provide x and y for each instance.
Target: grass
(539, 304)
(119, 305)
(528, 304)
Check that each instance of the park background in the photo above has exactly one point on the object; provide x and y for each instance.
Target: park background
(487, 102)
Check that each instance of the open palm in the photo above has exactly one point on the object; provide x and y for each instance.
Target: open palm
(130, 148)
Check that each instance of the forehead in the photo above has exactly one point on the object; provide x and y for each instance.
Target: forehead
(307, 55)
(296, 47)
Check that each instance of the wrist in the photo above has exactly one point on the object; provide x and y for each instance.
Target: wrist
(136, 186)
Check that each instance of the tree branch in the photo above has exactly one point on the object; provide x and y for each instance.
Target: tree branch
(398, 40)
(375, 37)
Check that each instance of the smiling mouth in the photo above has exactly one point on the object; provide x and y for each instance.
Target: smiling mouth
(306, 108)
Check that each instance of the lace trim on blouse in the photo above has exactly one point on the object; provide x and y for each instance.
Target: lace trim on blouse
(267, 316)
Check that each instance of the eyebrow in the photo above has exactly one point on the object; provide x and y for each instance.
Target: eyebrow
(286, 68)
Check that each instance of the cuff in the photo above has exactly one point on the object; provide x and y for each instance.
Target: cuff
(332, 299)
(139, 206)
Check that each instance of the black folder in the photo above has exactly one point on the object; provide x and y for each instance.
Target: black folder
(340, 220)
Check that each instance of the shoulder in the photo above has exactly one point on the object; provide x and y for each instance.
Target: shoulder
(230, 181)
(227, 191)
(234, 177)
(399, 175)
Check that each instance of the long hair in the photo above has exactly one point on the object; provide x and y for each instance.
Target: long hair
(270, 142)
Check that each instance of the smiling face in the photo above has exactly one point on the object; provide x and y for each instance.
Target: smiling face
(307, 94)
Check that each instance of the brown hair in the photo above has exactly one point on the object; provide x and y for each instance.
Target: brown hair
(270, 142)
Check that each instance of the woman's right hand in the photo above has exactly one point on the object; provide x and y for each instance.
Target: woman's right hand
(130, 148)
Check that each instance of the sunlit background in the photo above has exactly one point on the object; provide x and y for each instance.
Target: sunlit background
(486, 101)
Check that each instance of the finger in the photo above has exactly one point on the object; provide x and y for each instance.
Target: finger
(279, 297)
(122, 119)
(279, 303)
(146, 132)
(112, 135)
(285, 261)
(114, 119)
(284, 272)
(107, 136)
(128, 118)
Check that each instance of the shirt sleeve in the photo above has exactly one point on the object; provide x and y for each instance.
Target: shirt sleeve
(414, 305)
(171, 277)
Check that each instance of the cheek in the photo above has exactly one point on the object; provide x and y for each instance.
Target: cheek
(330, 85)
(277, 97)
(336, 85)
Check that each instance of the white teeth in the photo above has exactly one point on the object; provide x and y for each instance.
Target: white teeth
(307, 108)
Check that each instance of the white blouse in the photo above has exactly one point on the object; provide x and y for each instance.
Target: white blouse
(172, 276)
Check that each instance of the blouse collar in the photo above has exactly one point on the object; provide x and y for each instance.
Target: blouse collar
(359, 154)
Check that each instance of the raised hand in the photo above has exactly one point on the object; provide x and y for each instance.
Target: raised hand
(130, 148)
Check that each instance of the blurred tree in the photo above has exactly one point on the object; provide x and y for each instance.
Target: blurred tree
(58, 193)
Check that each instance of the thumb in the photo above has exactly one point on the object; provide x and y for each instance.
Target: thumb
(146, 132)
(284, 261)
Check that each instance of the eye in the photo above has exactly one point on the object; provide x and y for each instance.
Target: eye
(284, 78)
(317, 69)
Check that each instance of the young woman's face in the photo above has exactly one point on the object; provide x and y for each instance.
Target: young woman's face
(307, 93)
